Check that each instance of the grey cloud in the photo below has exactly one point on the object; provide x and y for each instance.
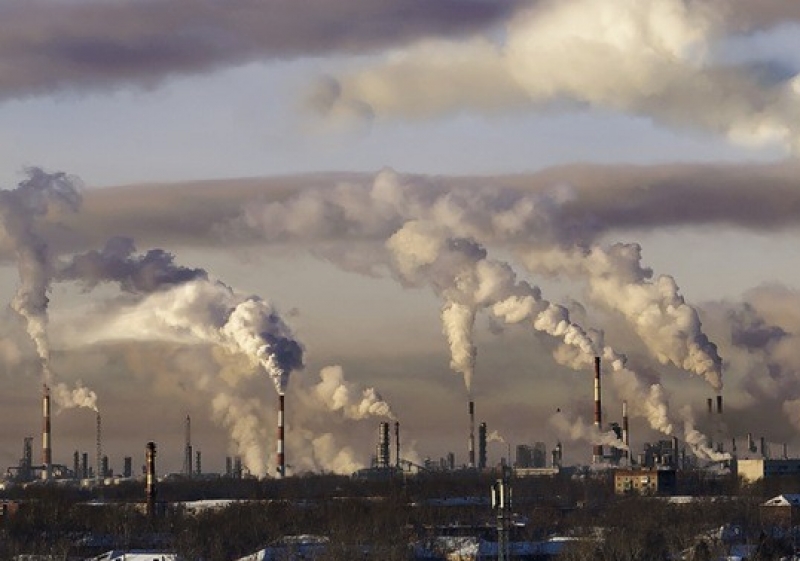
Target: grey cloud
(47, 46)
(591, 200)
(750, 16)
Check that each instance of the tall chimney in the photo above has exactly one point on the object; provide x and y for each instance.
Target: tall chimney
(383, 445)
(47, 452)
(471, 434)
(719, 404)
(597, 449)
(99, 450)
(397, 443)
(482, 440)
(150, 478)
(625, 434)
(281, 458)
(187, 448)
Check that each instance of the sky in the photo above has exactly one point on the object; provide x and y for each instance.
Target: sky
(385, 208)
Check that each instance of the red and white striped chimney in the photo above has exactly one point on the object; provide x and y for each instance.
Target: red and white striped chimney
(597, 449)
(281, 458)
(47, 452)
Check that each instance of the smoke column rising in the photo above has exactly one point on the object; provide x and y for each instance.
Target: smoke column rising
(36, 198)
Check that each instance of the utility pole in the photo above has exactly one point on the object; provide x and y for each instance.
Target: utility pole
(501, 504)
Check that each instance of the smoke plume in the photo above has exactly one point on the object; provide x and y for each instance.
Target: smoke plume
(340, 395)
(117, 262)
(40, 196)
(202, 311)
(576, 429)
(460, 271)
(697, 441)
(20, 208)
(669, 326)
(495, 436)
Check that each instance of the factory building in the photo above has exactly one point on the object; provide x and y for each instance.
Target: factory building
(645, 481)
(751, 470)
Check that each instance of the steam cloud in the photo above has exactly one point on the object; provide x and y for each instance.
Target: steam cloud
(652, 58)
(355, 403)
(576, 429)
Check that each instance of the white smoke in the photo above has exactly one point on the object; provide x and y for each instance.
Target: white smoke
(355, 403)
(243, 417)
(460, 270)
(669, 327)
(202, 311)
(576, 429)
(697, 441)
(458, 323)
(653, 58)
(495, 436)
(79, 396)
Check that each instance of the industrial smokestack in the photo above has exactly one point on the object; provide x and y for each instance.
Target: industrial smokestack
(471, 434)
(597, 449)
(383, 445)
(150, 478)
(281, 458)
(397, 443)
(98, 465)
(625, 434)
(719, 404)
(187, 448)
(710, 404)
(557, 455)
(47, 452)
(482, 440)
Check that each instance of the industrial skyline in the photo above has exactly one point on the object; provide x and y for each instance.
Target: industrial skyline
(347, 218)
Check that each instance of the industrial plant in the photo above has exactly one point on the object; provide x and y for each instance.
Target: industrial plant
(751, 460)
(487, 498)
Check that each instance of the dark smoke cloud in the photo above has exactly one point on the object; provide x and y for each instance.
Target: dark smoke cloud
(751, 331)
(116, 262)
(48, 46)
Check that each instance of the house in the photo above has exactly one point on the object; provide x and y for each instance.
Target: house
(782, 511)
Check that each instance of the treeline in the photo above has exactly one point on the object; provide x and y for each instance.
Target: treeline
(379, 519)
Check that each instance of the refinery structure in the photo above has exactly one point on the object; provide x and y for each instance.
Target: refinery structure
(609, 443)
